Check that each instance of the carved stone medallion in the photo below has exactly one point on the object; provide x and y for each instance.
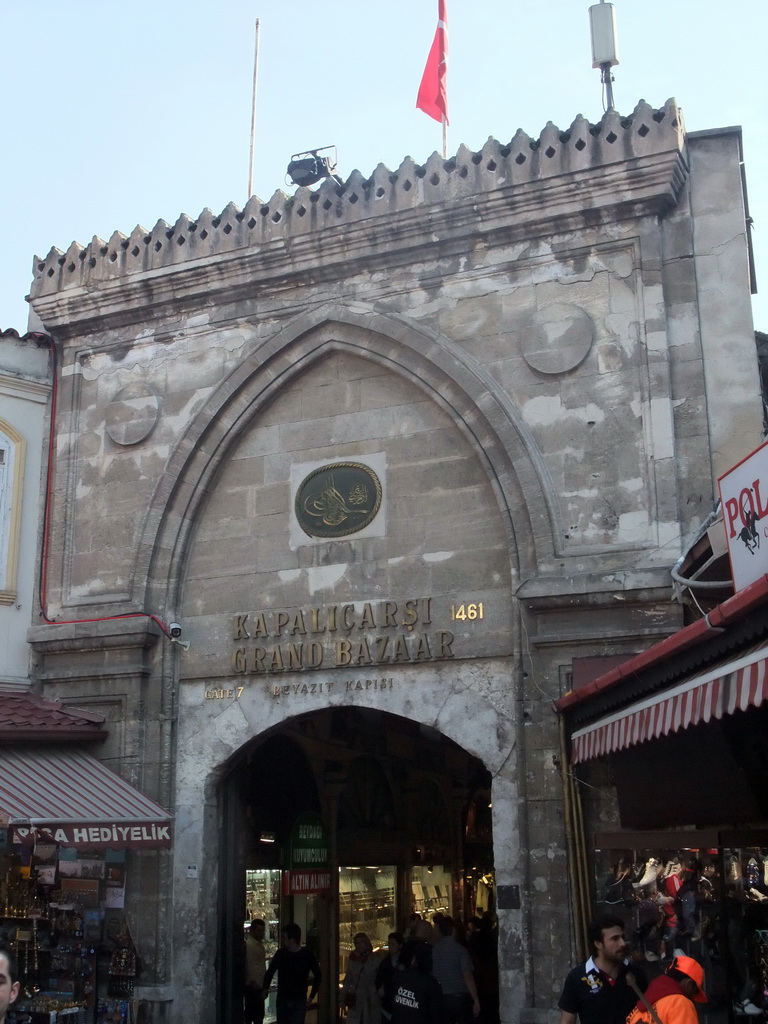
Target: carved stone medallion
(132, 414)
(337, 500)
(558, 338)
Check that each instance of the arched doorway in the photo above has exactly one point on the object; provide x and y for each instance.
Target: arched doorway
(300, 637)
(398, 804)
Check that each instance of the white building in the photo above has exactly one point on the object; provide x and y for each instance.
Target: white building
(25, 387)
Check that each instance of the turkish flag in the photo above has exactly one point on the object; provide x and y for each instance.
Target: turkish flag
(433, 96)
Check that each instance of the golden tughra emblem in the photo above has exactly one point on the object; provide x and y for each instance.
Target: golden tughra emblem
(337, 500)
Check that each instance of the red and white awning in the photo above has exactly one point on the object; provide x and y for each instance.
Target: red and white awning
(735, 686)
(70, 798)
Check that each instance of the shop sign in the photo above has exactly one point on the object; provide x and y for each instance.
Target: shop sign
(85, 836)
(347, 636)
(744, 498)
(309, 842)
(304, 883)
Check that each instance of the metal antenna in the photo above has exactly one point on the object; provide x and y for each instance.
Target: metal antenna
(605, 51)
(607, 80)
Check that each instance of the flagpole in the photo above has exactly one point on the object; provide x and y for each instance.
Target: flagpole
(432, 96)
(253, 107)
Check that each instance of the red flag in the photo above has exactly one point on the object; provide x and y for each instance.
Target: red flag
(433, 96)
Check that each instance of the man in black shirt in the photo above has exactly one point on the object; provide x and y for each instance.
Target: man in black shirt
(294, 963)
(416, 996)
(597, 991)
(386, 971)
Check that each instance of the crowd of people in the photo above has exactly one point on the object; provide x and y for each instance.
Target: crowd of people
(435, 972)
(432, 973)
(429, 976)
(294, 965)
(610, 988)
(438, 973)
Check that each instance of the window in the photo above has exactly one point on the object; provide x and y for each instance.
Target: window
(11, 479)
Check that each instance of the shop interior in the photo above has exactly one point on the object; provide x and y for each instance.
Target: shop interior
(408, 817)
(707, 900)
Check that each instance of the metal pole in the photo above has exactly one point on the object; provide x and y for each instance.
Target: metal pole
(608, 83)
(253, 106)
(581, 847)
(445, 138)
(570, 839)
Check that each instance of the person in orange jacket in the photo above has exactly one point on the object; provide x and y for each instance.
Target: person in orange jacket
(672, 995)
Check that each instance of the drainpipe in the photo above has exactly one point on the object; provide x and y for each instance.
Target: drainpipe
(583, 864)
(574, 834)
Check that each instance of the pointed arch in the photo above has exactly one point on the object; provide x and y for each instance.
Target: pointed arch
(473, 399)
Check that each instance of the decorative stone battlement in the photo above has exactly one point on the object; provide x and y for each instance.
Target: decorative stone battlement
(260, 225)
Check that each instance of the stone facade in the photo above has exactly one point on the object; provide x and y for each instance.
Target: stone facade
(545, 352)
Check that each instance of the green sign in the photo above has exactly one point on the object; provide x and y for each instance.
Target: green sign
(309, 842)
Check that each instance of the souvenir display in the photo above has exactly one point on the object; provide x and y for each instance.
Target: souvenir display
(710, 904)
(51, 915)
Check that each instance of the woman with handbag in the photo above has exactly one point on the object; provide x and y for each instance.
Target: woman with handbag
(358, 990)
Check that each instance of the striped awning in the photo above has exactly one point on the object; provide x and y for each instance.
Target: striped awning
(739, 684)
(71, 798)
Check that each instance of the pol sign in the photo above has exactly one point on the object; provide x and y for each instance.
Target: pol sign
(744, 497)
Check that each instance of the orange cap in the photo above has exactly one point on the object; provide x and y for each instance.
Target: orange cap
(694, 970)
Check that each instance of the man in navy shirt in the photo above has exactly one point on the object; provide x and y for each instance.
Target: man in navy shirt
(597, 991)
(294, 964)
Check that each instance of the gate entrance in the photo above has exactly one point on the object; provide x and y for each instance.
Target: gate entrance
(406, 816)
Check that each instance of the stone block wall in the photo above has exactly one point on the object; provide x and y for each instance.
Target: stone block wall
(521, 342)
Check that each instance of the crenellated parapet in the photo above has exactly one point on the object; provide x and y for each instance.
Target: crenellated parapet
(574, 154)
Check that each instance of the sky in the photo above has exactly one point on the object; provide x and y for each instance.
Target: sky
(118, 114)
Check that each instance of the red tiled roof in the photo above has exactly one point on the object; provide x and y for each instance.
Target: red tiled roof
(25, 716)
(35, 336)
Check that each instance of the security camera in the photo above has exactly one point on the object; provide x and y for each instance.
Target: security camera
(174, 632)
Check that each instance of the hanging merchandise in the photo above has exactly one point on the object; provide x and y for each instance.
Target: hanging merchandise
(57, 966)
(114, 1011)
(753, 873)
(698, 900)
(617, 885)
(733, 869)
(483, 896)
(76, 957)
(123, 966)
(761, 941)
